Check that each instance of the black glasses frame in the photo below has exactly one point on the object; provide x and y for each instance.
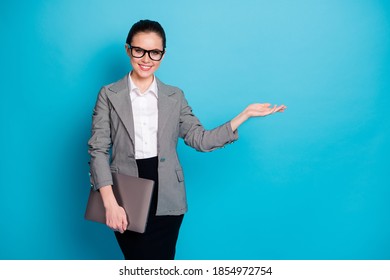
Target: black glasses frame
(145, 51)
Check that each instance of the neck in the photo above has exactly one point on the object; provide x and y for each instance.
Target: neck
(142, 83)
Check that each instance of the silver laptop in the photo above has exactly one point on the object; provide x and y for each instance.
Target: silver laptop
(132, 193)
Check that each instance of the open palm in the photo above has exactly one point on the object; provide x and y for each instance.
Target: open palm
(261, 110)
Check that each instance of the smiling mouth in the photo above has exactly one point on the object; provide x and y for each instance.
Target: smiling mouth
(144, 67)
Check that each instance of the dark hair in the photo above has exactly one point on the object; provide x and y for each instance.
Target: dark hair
(146, 26)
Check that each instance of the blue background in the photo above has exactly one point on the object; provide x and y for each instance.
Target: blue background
(311, 183)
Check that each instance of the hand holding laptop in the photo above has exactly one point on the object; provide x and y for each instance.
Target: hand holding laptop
(116, 217)
(133, 194)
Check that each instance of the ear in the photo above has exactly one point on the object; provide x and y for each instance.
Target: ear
(127, 48)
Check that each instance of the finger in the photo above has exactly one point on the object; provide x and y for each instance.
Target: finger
(119, 228)
(115, 226)
(124, 226)
(124, 220)
(111, 225)
(262, 105)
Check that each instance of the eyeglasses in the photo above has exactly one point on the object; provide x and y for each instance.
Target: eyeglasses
(138, 52)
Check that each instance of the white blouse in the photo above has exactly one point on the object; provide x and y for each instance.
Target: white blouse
(145, 115)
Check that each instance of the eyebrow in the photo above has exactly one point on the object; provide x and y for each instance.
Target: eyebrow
(146, 49)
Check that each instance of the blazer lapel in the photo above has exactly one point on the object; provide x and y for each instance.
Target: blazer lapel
(119, 95)
(165, 106)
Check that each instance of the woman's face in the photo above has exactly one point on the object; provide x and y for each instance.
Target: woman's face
(144, 67)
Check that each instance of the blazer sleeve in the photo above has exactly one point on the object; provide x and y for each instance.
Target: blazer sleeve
(100, 143)
(196, 136)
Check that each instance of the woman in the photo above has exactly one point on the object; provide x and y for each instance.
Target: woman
(140, 119)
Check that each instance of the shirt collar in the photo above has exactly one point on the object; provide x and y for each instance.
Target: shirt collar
(134, 90)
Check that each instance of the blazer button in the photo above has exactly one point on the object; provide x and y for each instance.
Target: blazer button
(162, 159)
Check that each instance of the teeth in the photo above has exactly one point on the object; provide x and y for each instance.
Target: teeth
(143, 67)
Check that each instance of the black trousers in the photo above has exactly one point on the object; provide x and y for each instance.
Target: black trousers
(158, 242)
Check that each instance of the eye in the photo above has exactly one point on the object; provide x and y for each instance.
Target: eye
(138, 50)
(155, 52)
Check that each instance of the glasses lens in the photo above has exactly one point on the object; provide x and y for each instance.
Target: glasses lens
(137, 52)
(155, 54)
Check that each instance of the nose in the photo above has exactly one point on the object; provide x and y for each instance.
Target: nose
(146, 58)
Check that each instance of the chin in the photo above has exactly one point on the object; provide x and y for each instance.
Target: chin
(144, 74)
